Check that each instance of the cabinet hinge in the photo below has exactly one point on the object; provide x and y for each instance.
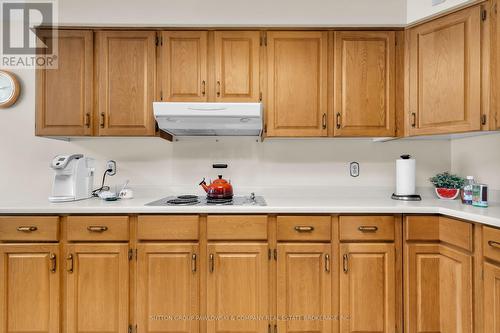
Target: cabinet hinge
(483, 15)
(130, 329)
(275, 254)
(132, 253)
(265, 40)
(268, 328)
(157, 40)
(269, 254)
(265, 128)
(161, 95)
(260, 97)
(483, 119)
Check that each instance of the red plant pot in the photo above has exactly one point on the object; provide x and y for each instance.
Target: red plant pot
(447, 193)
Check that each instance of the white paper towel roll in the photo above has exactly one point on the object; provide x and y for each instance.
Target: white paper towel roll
(405, 177)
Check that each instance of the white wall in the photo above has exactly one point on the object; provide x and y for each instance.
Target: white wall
(478, 157)
(419, 9)
(233, 12)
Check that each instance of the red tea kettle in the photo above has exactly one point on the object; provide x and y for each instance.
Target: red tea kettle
(219, 188)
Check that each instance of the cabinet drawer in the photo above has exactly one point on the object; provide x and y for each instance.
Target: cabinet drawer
(237, 227)
(304, 228)
(491, 243)
(367, 228)
(172, 227)
(97, 228)
(29, 228)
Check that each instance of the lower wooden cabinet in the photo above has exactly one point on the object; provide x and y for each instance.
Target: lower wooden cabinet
(438, 289)
(237, 287)
(304, 282)
(29, 288)
(368, 288)
(167, 287)
(491, 297)
(96, 288)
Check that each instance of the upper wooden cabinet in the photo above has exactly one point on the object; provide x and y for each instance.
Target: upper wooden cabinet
(64, 95)
(297, 83)
(445, 74)
(126, 67)
(201, 66)
(29, 288)
(183, 66)
(237, 70)
(365, 90)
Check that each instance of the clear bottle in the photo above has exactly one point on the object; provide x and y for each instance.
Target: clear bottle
(467, 190)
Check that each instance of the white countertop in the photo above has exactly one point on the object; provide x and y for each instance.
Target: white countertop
(288, 200)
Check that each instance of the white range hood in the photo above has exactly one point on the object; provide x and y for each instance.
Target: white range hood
(209, 119)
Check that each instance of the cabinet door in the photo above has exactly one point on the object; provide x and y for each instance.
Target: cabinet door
(126, 79)
(304, 282)
(364, 95)
(237, 286)
(64, 95)
(237, 66)
(167, 288)
(491, 298)
(96, 288)
(184, 66)
(368, 288)
(438, 292)
(29, 285)
(297, 83)
(445, 74)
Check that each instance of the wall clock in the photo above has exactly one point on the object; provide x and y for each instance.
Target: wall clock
(9, 89)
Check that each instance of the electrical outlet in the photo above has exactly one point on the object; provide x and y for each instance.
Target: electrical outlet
(354, 169)
(111, 165)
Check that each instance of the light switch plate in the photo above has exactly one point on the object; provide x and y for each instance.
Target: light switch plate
(437, 2)
(354, 169)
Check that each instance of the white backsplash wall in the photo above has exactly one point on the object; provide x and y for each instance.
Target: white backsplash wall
(24, 162)
(478, 157)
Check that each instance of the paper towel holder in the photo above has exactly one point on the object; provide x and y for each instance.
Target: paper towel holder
(406, 197)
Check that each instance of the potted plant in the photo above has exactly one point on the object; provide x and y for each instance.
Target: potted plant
(447, 185)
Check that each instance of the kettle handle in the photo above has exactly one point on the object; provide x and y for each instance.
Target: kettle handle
(202, 181)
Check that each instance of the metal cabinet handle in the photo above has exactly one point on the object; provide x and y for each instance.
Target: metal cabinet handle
(218, 88)
(53, 262)
(323, 121)
(203, 88)
(27, 228)
(87, 120)
(193, 262)
(97, 228)
(413, 119)
(103, 119)
(212, 263)
(345, 262)
(494, 244)
(368, 228)
(339, 115)
(304, 228)
(327, 263)
(275, 328)
(69, 263)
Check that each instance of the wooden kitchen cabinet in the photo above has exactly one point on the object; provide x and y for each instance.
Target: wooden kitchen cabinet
(445, 74)
(29, 288)
(183, 66)
(96, 288)
(304, 282)
(64, 95)
(438, 293)
(168, 283)
(126, 71)
(237, 66)
(491, 297)
(297, 83)
(237, 285)
(365, 86)
(368, 288)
